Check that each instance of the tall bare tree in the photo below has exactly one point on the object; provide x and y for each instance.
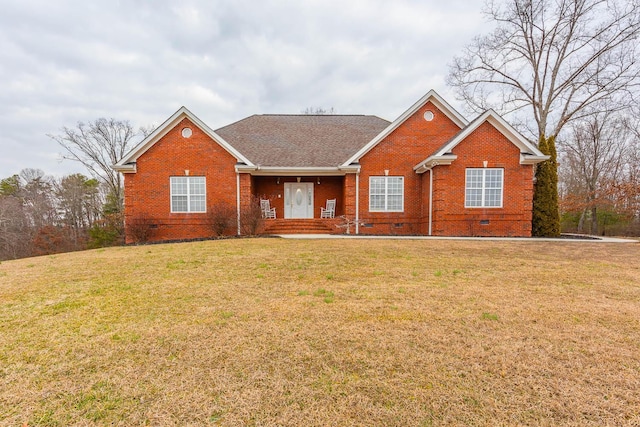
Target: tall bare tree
(554, 61)
(315, 111)
(97, 146)
(594, 155)
(15, 230)
(37, 197)
(79, 204)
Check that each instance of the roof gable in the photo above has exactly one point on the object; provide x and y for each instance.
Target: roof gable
(430, 96)
(529, 153)
(127, 163)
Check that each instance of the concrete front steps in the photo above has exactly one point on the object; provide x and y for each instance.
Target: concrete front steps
(301, 226)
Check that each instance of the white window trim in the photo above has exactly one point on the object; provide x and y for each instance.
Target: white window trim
(386, 194)
(188, 194)
(484, 188)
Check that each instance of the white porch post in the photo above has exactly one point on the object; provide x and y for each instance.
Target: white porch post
(430, 197)
(358, 203)
(238, 201)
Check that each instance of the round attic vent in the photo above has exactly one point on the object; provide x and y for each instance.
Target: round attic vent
(187, 132)
(428, 115)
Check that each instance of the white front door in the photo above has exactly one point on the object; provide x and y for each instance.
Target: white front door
(298, 200)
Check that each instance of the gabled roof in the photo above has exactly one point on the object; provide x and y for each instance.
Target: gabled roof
(431, 96)
(127, 164)
(301, 141)
(529, 153)
(276, 143)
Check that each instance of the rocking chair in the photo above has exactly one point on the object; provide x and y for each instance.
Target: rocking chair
(267, 210)
(330, 210)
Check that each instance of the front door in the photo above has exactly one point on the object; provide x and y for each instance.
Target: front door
(298, 200)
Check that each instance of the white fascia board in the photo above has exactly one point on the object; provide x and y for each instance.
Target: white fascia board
(462, 135)
(293, 171)
(217, 138)
(501, 125)
(512, 134)
(434, 161)
(169, 124)
(432, 96)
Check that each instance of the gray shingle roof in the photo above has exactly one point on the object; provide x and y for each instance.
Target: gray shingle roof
(301, 140)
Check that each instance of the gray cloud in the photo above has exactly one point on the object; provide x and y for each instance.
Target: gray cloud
(68, 61)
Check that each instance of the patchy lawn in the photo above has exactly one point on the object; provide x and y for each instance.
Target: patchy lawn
(325, 333)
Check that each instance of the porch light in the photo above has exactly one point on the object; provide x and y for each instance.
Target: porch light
(278, 180)
(318, 181)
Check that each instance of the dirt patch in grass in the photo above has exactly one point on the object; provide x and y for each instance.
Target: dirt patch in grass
(333, 332)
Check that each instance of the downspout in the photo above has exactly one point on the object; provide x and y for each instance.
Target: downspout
(358, 203)
(430, 197)
(238, 200)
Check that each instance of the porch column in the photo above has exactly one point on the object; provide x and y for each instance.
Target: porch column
(350, 195)
(244, 196)
(358, 203)
(238, 201)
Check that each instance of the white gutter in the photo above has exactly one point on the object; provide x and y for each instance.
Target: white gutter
(445, 159)
(246, 168)
(296, 171)
(126, 168)
(430, 198)
(530, 159)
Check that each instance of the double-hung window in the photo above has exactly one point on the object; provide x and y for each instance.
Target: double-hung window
(386, 194)
(188, 194)
(483, 188)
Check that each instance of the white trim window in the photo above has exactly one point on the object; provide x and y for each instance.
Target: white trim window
(483, 188)
(188, 194)
(386, 193)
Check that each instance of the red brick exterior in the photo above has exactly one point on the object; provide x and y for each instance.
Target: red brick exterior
(451, 218)
(147, 191)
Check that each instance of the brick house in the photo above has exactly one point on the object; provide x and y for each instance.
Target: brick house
(429, 172)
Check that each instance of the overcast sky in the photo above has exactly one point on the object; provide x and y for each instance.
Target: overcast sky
(67, 61)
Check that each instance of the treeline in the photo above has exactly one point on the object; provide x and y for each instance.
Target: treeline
(41, 215)
(599, 170)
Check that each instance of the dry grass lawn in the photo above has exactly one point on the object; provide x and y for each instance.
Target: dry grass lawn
(273, 332)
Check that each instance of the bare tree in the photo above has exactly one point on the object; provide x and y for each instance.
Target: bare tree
(593, 156)
(79, 205)
(318, 111)
(37, 197)
(15, 230)
(553, 60)
(26, 206)
(627, 187)
(97, 146)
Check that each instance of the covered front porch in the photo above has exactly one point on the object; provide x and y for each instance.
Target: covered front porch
(299, 200)
(300, 197)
